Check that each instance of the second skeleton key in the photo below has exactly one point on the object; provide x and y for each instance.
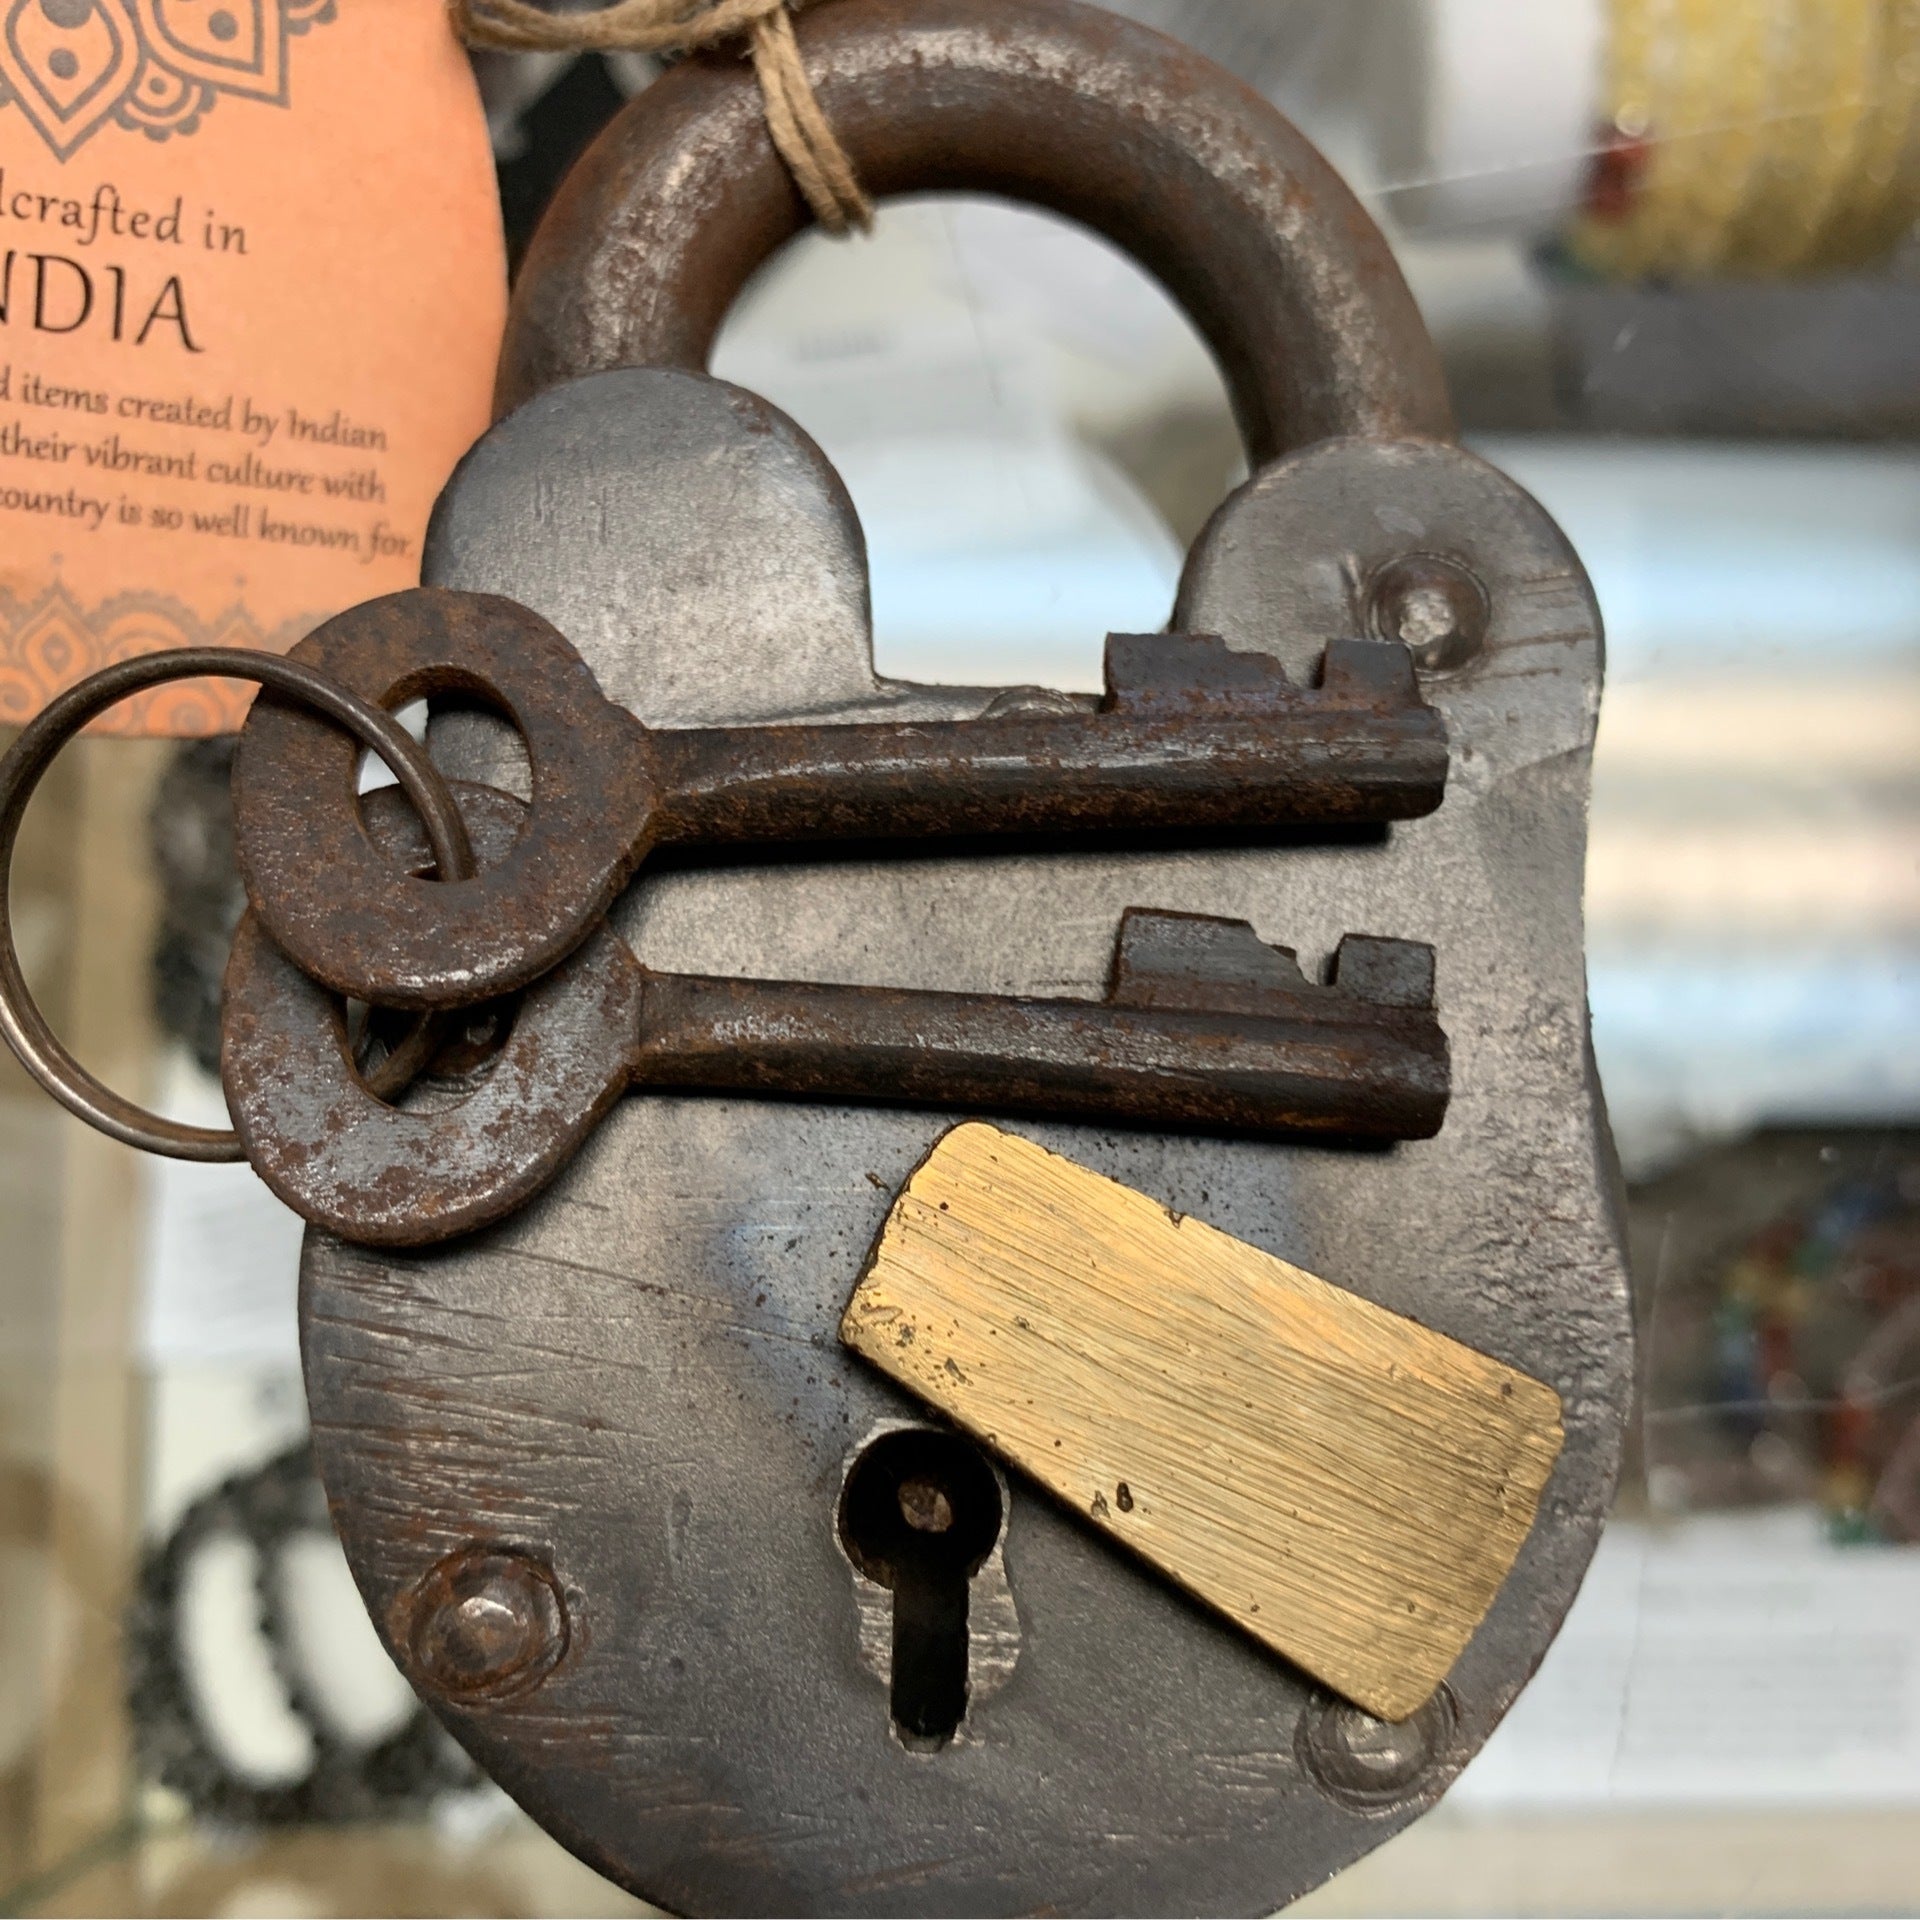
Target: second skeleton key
(1190, 736)
(1203, 1026)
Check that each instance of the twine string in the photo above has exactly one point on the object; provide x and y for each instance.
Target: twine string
(799, 127)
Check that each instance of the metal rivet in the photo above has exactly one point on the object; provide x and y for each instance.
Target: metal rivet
(486, 1622)
(1368, 1763)
(1434, 607)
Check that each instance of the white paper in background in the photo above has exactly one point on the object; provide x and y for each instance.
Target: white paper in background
(1731, 1661)
(223, 1255)
(1485, 111)
(208, 1422)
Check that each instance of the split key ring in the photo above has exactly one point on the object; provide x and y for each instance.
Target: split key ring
(25, 1027)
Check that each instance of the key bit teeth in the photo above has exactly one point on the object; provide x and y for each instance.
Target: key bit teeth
(1194, 962)
(1390, 973)
(1175, 673)
(1378, 670)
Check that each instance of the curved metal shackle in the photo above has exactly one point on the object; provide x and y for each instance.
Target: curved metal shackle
(663, 221)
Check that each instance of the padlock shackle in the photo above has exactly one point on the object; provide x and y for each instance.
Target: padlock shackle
(667, 216)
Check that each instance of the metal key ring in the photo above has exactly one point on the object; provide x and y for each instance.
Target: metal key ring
(39, 1049)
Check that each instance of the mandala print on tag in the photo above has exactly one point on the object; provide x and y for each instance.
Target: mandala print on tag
(49, 642)
(152, 66)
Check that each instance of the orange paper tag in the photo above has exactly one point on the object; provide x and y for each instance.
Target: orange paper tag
(252, 286)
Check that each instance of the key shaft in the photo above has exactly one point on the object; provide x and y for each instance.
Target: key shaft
(1191, 736)
(1327, 1064)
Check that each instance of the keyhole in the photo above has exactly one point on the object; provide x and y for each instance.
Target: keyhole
(920, 1513)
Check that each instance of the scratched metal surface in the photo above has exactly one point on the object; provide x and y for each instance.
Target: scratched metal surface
(638, 1382)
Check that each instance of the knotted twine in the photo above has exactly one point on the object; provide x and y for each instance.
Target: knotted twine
(816, 159)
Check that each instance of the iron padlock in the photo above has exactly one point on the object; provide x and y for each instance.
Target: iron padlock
(598, 1468)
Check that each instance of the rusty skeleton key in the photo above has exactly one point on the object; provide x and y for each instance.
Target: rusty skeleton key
(1203, 1027)
(1190, 736)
